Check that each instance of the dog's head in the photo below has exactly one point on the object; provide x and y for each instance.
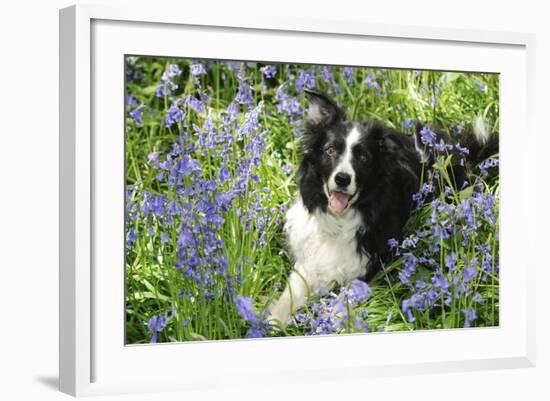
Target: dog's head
(341, 159)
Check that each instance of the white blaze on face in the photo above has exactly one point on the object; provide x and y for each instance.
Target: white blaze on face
(345, 165)
(340, 198)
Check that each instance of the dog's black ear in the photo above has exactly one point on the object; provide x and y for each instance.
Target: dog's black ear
(322, 110)
(388, 143)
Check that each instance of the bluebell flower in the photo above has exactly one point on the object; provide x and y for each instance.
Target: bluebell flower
(251, 124)
(440, 282)
(441, 146)
(131, 237)
(305, 79)
(156, 325)
(410, 123)
(225, 175)
(477, 298)
(458, 127)
(489, 163)
(174, 114)
(482, 87)
(360, 291)
(462, 150)
(136, 114)
(409, 269)
(130, 101)
(417, 198)
(410, 316)
(469, 316)
(269, 71)
(450, 261)
(371, 82)
(259, 326)
(245, 308)
(287, 104)
(427, 136)
(167, 85)
(326, 74)
(287, 168)
(153, 158)
(349, 74)
(410, 242)
(195, 104)
(197, 69)
(470, 270)
(173, 71)
(427, 188)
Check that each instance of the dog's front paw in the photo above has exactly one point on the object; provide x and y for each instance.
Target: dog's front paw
(278, 319)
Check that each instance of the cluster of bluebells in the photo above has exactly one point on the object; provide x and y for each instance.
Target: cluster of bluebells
(335, 312)
(455, 248)
(205, 177)
(134, 74)
(288, 96)
(156, 325)
(258, 324)
(167, 84)
(289, 106)
(134, 110)
(371, 82)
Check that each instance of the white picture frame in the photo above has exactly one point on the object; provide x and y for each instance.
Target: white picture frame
(93, 361)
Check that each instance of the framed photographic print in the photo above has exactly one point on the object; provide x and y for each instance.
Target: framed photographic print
(299, 188)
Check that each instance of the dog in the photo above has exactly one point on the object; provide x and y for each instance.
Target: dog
(356, 182)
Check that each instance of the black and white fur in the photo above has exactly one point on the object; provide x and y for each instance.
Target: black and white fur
(356, 182)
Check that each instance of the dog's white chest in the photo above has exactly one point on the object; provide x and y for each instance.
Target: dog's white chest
(325, 246)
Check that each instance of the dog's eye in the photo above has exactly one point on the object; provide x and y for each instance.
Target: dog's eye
(331, 151)
(363, 157)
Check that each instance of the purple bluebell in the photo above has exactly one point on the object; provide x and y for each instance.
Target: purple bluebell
(410, 123)
(360, 291)
(349, 74)
(482, 87)
(462, 150)
(131, 237)
(174, 114)
(136, 114)
(305, 79)
(156, 325)
(371, 82)
(326, 74)
(469, 316)
(167, 86)
(427, 136)
(269, 71)
(287, 168)
(409, 269)
(450, 261)
(195, 104)
(197, 69)
(258, 324)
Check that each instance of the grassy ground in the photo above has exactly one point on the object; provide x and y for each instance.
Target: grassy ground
(211, 150)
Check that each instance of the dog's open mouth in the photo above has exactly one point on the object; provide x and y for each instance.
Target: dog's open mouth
(338, 202)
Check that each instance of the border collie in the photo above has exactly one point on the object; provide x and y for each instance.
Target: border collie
(356, 181)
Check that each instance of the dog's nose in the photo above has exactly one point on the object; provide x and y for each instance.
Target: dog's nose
(342, 179)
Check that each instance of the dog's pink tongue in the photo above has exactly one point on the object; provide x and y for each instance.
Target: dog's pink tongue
(338, 202)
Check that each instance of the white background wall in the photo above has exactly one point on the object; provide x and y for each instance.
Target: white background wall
(29, 198)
